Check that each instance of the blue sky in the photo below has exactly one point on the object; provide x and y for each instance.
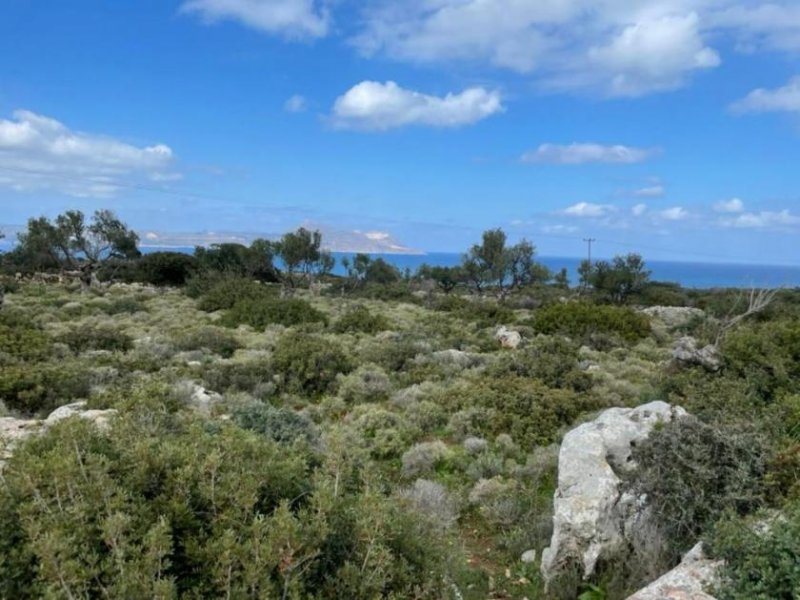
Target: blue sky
(671, 127)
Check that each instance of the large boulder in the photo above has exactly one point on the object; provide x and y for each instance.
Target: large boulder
(508, 338)
(674, 316)
(592, 516)
(687, 581)
(687, 351)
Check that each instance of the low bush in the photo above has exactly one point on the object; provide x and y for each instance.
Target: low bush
(692, 472)
(309, 364)
(42, 388)
(216, 340)
(360, 320)
(260, 312)
(582, 321)
(552, 359)
(279, 424)
(22, 341)
(218, 292)
(760, 556)
(96, 337)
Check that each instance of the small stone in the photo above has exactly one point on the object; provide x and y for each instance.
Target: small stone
(529, 556)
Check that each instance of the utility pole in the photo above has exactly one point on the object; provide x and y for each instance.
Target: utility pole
(590, 241)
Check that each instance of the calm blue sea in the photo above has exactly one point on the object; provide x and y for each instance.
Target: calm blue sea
(693, 275)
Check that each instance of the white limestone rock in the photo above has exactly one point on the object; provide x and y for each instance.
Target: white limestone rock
(591, 514)
(688, 581)
(508, 339)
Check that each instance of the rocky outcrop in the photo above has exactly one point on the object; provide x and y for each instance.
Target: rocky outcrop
(674, 316)
(687, 351)
(198, 397)
(687, 581)
(592, 516)
(508, 338)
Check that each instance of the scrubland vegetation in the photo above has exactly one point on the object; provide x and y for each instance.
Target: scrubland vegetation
(366, 435)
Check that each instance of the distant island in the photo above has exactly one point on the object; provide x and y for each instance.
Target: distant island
(334, 239)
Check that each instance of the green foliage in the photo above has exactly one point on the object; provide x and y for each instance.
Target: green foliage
(20, 340)
(266, 310)
(360, 319)
(761, 558)
(166, 268)
(96, 337)
(254, 262)
(218, 341)
(552, 360)
(692, 472)
(528, 410)
(617, 281)
(43, 387)
(280, 424)
(583, 321)
(218, 292)
(486, 313)
(492, 264)
(766, 355)
(309, 364)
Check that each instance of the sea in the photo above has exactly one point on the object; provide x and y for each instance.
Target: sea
(688, 274)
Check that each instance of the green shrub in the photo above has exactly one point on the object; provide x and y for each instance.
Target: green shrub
(692, 472)
(485, 313)
(761, 556)
(42, 388)
(218, 292)
(528, 410)
(258, 313)
(166, 508)
(309, 364)
(280, 424)
(166, 268)
(766, 355)
(123, 305)
(360, 319)
(22, 341)
(254, 377)
(553, 360)
(219, 341)
(92, 337)
(583, 321)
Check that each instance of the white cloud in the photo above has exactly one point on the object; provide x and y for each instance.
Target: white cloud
(559, 229)
(296, 104)
(782, 99)
(653, 191)
(676, 213)
(38, 152)
(576, 154)
(376, 106)
(639, 210)
(760, 25)
(587, 209)
(734, 205)
(292, 18)
(764, 220)
(616, 47)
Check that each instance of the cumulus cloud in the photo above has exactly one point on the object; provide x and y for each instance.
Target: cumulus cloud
(782, 99)
(39, 152)
(291, 18)
(734, 205)
(375, 106)
(576, 154)
(618, 47)
(296, 104)
(587, 209)
(653, 191)
(676, 213)
(764, 220)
